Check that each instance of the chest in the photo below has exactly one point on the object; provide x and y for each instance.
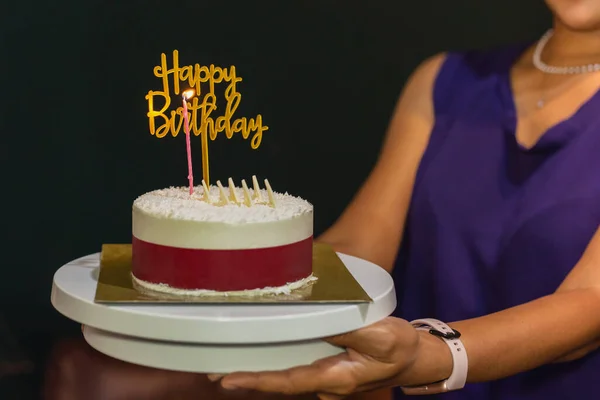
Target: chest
(479, 176)
(515, 218)
(543, 102)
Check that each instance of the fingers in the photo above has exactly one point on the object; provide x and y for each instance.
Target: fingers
(295, 381)
(371, 358)
(332, 375)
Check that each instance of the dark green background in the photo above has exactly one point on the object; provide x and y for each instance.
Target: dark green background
(75, 146)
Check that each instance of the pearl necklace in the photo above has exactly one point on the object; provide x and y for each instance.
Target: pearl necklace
(551, 69)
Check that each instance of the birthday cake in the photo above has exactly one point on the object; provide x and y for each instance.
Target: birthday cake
(217, 240)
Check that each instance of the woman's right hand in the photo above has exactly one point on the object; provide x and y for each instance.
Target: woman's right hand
(76, 371)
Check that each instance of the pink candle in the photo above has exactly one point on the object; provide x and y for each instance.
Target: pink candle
(186, 95)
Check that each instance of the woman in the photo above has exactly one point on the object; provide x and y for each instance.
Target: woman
(485, 203)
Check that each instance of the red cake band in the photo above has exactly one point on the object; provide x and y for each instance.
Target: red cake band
(221, 270)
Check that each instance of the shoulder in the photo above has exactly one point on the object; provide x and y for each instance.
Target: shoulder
(422, 79)
(445, 77)
(457, 66)
(476, 61)
(416, 98)
(484, 62)
(437, 81)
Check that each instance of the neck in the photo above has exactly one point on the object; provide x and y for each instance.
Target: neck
(569, 47)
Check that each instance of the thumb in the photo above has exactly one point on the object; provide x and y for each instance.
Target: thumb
(343, 340)
(365, 339)
(360, 340)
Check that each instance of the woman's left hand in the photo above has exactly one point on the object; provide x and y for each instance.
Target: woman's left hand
(376, 356)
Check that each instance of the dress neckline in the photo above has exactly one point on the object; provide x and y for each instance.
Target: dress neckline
(556, 135)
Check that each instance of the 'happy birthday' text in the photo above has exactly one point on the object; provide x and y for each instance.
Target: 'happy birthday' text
(203, 80)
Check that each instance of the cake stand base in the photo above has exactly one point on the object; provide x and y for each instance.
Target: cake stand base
(218, 338)
(207, 358)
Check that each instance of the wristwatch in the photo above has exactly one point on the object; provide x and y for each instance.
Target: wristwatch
(451, 337)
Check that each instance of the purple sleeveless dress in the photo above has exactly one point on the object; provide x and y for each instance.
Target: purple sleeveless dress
(491, 224)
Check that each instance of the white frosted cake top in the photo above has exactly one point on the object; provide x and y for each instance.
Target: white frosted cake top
(176, 203)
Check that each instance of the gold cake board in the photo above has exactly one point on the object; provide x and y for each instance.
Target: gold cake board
(334, 284)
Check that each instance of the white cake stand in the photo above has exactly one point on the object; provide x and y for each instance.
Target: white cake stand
(217, 338)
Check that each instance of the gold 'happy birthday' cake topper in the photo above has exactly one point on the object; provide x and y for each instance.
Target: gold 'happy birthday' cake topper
(196, 84)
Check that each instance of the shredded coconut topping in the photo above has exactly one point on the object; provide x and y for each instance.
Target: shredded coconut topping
(176, 203)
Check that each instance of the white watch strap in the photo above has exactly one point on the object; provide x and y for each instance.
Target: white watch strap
(460, 368)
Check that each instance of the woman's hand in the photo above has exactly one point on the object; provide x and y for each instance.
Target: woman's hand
(377, 356)
(75, 371)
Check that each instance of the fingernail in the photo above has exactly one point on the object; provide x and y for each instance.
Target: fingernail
(214, 377)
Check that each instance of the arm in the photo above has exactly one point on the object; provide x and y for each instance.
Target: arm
(562, 326)
(372, 224)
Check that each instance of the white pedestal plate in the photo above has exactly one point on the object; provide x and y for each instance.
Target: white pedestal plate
(217, 338)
